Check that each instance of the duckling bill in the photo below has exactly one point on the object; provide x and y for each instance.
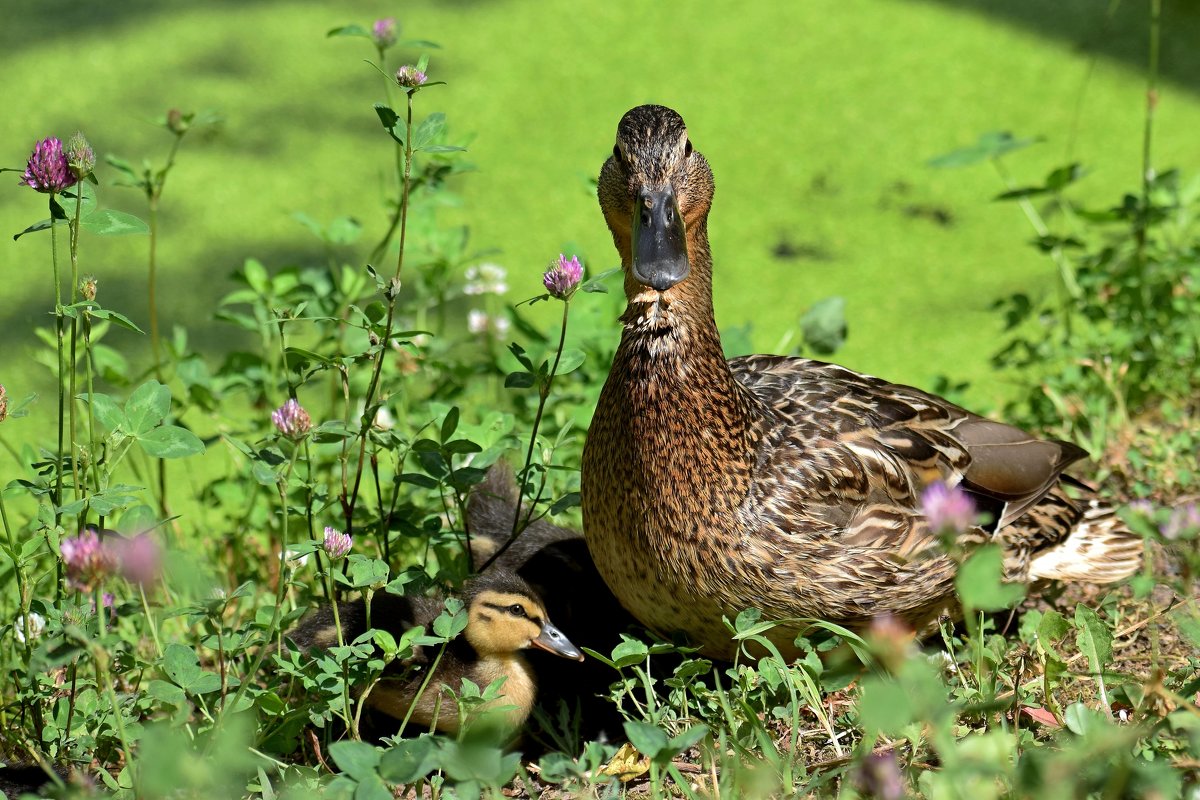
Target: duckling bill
(786, 484)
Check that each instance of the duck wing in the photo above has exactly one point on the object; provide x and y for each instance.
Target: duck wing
(853, 452)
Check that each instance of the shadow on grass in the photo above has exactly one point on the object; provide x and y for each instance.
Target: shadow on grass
(1121, 34)
(190, 297)
(34, 22)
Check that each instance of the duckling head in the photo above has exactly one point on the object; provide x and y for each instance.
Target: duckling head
(505, 614)
(655, 191)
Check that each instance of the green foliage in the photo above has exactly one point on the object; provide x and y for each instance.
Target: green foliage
(1116, 349)
(980, 582)
(192, 668)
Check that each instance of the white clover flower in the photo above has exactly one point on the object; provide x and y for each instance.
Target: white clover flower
(295, 559)
(500, 326)
(384, 420)
(37, 624)
(486, 279)
(477, 321)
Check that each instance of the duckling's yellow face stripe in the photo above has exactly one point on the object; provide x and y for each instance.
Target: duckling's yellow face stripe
(503, 622)
(518, 606)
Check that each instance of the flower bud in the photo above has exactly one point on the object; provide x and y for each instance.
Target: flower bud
(291, 419)
(383, 33)
(410, 77)
(80, 156)
(178, 122)
(87, 287)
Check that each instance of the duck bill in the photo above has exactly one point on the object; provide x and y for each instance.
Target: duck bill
(554, 641)
(659, 248)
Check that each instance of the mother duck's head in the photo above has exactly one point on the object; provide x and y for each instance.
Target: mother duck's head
(655, 190)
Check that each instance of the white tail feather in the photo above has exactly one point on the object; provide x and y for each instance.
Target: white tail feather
(1101, 549)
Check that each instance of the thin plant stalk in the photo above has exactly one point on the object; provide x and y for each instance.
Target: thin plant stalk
(58, 325)
(543, 396)
(154, 196)
(104, 678)
(1068, 286)
(421, 689)
(401, 159)
(22, 583)
(74, 251)
(88, 371)
(150, 619)
(368, 417)
(1148, 176)
(58, 321)
(350, 720)
(280, 593)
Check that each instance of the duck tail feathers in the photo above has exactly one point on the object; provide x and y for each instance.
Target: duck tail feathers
(1100, 549)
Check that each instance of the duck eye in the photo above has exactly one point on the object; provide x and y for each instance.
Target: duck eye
(517, 610)
(687, 148)
(617, 154)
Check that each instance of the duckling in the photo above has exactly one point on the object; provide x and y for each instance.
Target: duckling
(556, 562)
(787, 484)
(505, 616)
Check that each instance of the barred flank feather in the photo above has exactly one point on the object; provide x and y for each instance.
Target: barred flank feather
(1100, 549)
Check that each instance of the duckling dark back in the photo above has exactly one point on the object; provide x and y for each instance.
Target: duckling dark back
(556, 562)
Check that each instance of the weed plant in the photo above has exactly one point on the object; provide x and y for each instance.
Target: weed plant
(146, 606)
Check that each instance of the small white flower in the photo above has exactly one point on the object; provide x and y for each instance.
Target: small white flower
(500, 326)
(486, 279)
(384, 420)
(295, 559)
(477, 321)
(37, 624)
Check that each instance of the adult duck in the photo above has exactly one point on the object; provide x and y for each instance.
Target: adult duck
(786, 484)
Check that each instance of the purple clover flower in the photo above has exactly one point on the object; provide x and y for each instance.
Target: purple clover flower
(410, 77)
(139, 559)
(879, 776)
(1143, 507)
(110, 604)
(948, 509)
(81, 159)
(337, 544)
(563, 277)
(291, 419)
(1184, 523)
(87, 559)
(384, 32)
(48, 170)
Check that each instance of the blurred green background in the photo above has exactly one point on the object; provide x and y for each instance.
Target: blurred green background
(818, 119)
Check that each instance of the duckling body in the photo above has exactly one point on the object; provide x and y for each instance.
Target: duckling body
(556, 562)
(786, 484)
(505, 616)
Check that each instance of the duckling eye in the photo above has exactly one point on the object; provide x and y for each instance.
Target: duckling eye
(517, 610)
(687, 148)
(617, 154)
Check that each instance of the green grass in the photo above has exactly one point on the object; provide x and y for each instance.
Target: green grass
(818, 124)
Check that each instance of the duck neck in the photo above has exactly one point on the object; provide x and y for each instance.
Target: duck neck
(674, 380)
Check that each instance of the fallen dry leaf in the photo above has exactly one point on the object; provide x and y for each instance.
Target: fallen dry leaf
(1041, 716)
(627, 764)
